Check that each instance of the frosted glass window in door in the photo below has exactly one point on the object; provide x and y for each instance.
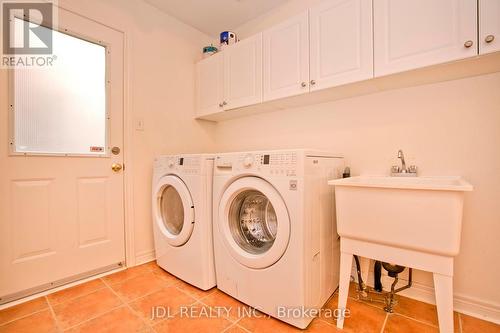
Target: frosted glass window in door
(62, 109)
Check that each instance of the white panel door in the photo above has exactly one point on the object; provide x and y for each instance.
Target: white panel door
(61, 204)
(286, 58)
(489, 26)
(210, 85)
(243, 73)
(409, 34)
(341, 42)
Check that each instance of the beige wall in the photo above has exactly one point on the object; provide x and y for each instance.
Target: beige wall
(161, 53)
(448, 128)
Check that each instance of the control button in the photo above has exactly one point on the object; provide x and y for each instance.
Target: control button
(170, 163)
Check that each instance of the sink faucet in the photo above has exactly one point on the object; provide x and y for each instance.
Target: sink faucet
(403, 163)
(396, 171)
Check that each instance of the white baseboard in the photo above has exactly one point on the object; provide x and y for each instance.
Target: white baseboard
(462, 303)
(143, 257)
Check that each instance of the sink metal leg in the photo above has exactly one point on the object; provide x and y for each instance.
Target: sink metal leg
(443, 286)
(345, 276)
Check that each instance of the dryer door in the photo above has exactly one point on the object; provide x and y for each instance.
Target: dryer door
(173, 210)
(253, 222)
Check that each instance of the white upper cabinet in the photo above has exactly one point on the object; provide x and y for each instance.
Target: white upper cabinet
(489, 26)
(209, 85)
(338, 42)
(286, 58)
(410, 34)
(243, 73)
(341, 42)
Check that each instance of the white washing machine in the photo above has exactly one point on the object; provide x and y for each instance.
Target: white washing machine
(275, 238)
(182, 217)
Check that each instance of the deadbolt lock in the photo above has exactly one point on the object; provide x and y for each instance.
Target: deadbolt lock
(115, 150)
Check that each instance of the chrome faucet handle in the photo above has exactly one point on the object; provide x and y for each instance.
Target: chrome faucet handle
(412, 169)
(395, 169)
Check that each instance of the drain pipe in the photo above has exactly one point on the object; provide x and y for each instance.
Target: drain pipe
(377, 276)
(394, 271)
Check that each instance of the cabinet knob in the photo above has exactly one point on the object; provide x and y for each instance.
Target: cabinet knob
(224, 103)
(303, 84)
(489, 38)
(313, 82)
(468, 43)
(221, 105)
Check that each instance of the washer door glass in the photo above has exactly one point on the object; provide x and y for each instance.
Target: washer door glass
(253, 222)
(171, 210)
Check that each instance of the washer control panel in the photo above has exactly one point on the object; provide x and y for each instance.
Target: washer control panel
(274, 164)
(283, 164)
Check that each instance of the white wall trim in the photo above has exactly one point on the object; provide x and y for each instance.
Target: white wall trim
(461, 303)
(144, 257)
(128, 195)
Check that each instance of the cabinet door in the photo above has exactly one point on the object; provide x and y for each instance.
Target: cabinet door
(489, 26)
(243, 73)
(410, 34)
(209, 85)
(286, 58)
(341, 42)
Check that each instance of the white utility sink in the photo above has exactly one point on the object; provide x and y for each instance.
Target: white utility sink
(418, 213)
(410, 221)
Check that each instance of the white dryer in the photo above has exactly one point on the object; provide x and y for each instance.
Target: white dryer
(182, 217)
(275, 239)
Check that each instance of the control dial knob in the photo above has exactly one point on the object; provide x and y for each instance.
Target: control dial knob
(170, 163)
(248, 161)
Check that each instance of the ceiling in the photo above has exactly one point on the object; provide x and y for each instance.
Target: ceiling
(214, 16)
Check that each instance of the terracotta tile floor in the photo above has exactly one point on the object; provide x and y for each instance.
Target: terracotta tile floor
(122, 303)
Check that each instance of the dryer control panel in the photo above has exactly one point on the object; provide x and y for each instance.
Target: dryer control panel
(190, 165)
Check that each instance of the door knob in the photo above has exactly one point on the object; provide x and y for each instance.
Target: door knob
(116, 167)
